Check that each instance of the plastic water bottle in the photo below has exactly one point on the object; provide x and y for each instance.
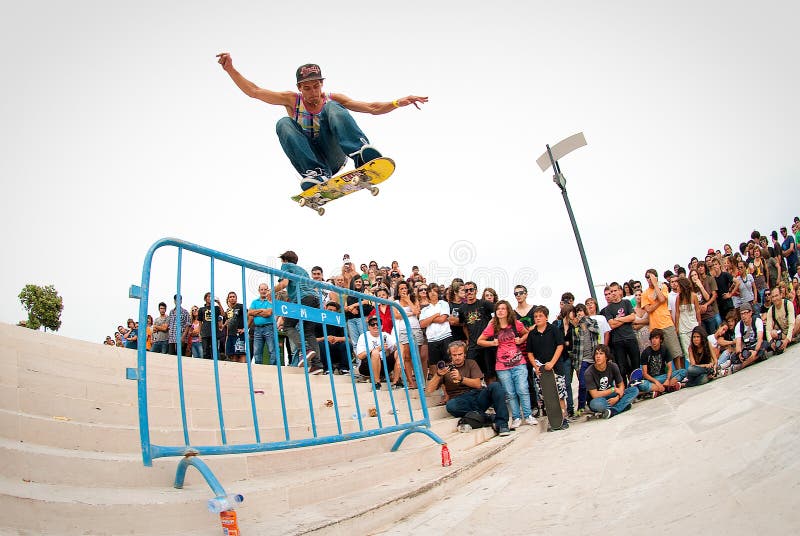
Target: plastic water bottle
(222, 504)
(446, 461)
(354, 416)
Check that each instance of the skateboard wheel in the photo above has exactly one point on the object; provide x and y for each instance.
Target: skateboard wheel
(320, 211)
(374, 190)
(302, 202)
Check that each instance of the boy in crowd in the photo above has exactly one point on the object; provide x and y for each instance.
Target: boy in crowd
(546, 345)
(749, 335)
(658, 376)
(606, 387)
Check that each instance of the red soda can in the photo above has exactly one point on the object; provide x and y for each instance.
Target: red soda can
(446, 461)
(230, 526)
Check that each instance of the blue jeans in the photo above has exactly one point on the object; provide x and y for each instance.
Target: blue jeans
(480, 400)
(697, 375)
(711, 324)
(338, 355)
(515, 382)
(583, 394)
(601, 404)
(197, 349)
(646, 386)
(354, 331)
(159, 347)
(262, 334)
(339, 136)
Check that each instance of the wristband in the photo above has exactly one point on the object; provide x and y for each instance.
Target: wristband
(395, 104)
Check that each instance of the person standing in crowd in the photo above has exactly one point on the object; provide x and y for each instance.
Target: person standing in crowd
(161, 330)
(546, 346)
(604, 330)
(260, 317)
(620, 316)
(654, 301)
(687, 314)
(475, 315)
(406, 298)
(586, 336)
(508, 336)
(709, 311)
(193, 338)
(724, 282)
(435, 320)
(210, 318)
(173, 325)
(234, 326)
(524, 312)
(301, 292)
(789, 252)
(384, 310)
(455, 297)
(132, 335)
(356, 325)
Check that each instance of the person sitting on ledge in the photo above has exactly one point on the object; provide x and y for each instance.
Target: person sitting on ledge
(657, 373)
(465, 391)
(606, 386)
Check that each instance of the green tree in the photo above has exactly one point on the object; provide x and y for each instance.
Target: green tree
(44, 307)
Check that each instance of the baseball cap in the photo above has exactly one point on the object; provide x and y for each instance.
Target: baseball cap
(309, 71)
(711, 251)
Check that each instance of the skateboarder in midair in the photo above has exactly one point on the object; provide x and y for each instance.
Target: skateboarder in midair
(319, 133)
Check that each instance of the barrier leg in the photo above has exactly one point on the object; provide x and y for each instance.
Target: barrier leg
(205, 470)
(418, 429)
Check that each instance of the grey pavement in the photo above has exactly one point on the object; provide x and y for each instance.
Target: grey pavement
(717, 459)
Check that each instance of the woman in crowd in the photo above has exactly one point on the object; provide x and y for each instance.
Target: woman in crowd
(758, 267)
(193, 339)
(434, 318)
(702, 358)
(455, 297)
(352, 312)
(490, 295)
(405, 297)
(641, 322)
(149, 332)
(507, 335)
(745, 285)
(686, 315)
(132, 335)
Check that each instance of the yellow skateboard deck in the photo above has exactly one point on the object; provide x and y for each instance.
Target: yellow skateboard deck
(363, 178)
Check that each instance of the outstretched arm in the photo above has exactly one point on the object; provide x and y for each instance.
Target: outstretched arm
(377, 108)
(279, 98)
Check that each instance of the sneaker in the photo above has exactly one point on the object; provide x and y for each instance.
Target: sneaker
(315, 371)
(366, 153)
(606, 413)
(678, 386)
(326, 372)
(344, 372)
(516, 423)
(564, 424)
(504, 431)
(530, 420)
(377, 386)
(312, 178)
(654, 394)
(362, 379)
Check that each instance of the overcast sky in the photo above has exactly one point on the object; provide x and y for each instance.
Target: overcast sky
(119, 128)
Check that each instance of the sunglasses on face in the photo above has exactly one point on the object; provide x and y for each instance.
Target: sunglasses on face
(372, 324)
(519, 293)
(470, 289)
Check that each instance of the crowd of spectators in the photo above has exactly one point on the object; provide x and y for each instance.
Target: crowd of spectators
(717, 315)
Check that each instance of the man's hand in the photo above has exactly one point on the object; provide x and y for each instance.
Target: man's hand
(612, 401)
(224, 59)
(548, 366)
(411, 99)
(455, 376)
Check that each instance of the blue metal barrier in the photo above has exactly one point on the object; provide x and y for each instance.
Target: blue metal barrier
(417, 420)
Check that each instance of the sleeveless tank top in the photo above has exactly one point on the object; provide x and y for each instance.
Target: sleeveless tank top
(308, 121)
(688, 319)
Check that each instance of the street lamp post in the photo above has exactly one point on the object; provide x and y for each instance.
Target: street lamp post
(550, 158)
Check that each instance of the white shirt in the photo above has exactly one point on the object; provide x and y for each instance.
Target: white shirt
(436, 331)
(367, 340)
(603, 327)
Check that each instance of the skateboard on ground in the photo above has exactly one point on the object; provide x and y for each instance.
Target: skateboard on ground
(547, 381)
(362, 178)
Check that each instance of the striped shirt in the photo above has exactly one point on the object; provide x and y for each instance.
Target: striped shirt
(308, 121)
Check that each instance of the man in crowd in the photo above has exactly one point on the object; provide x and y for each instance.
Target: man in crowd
(782, 326)
(658, 376)
(606, 387)
(161, 330)
(260, 317)
(373, 349)
(789, 252)
(210, 318)
(339, 361)
(750, 343)
(184, 321)
(475, 315)
(304, 293)
(620, 316)
(546, 346)
(465, 392)
(709, 311)
(234, 325)
(654, 301)
(724, 282)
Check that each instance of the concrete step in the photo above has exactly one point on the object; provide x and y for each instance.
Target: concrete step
(103, 510)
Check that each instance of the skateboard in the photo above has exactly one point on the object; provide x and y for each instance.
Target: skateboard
(547, 381)
(363, 178)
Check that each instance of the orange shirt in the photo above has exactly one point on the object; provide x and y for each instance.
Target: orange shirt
(660, 318)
